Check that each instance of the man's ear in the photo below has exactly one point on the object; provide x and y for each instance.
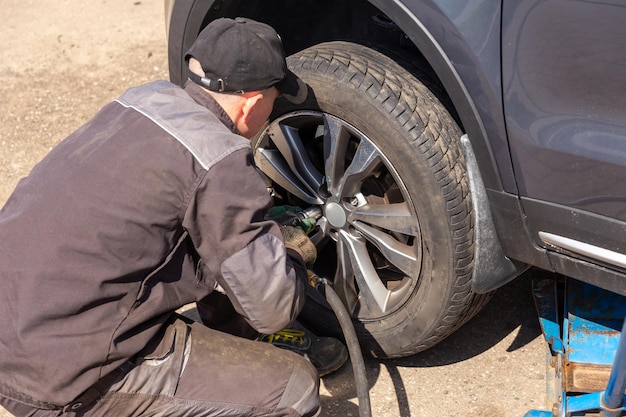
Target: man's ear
(249, 106)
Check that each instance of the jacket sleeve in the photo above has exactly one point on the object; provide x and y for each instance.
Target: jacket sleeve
(240, 250)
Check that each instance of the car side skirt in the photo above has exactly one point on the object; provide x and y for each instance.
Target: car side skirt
(583, 245)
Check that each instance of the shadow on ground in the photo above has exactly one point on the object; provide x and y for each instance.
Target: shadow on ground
(510, 310)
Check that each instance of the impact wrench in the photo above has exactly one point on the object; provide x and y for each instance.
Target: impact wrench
(345, 322)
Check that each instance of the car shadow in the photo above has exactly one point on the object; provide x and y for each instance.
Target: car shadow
(511, 307)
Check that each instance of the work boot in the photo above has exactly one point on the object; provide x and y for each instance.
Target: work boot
(325, 353)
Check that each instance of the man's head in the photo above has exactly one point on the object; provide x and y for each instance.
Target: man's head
(249, 110)
(242, 55)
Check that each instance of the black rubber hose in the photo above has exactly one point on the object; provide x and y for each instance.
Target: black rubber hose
(352, 342)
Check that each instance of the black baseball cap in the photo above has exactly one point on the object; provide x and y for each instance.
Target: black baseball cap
(243, 55)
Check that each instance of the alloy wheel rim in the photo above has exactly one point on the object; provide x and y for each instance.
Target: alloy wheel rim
(369, 224)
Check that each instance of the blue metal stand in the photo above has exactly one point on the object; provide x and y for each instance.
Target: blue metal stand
(583, 349)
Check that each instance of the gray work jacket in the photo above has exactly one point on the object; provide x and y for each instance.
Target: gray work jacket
(147, 207)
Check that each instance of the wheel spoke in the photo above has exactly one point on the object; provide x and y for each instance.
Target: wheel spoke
(272, 163)
(373, 293)
(289, 143)
(396, 217)
(336, 139)
(344, 277)
(366, 159)
(401, 255)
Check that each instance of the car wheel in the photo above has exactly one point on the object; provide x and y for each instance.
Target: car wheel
(378, 153)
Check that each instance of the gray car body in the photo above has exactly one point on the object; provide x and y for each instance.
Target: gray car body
(539, 88)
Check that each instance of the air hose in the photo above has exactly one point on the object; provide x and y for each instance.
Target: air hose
(294, 216)
(352, 342)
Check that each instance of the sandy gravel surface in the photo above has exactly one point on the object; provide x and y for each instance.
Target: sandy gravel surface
(61, 60)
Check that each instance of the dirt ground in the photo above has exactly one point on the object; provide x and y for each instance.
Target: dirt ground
(61, 60)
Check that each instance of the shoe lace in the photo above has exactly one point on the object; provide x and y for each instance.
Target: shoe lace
(287, 335)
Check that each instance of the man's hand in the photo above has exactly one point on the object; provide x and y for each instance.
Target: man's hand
(297, 240)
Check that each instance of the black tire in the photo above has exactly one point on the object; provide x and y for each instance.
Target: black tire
(397, 234)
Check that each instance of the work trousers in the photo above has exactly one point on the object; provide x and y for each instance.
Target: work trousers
(192, 370)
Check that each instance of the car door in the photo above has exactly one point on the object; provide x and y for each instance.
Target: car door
(564, 93)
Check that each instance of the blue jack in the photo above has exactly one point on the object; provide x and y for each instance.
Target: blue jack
(587, 356)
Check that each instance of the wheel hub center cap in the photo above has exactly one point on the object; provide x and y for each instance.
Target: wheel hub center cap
(335, 214)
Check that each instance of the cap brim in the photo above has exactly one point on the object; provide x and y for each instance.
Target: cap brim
(293, 88)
